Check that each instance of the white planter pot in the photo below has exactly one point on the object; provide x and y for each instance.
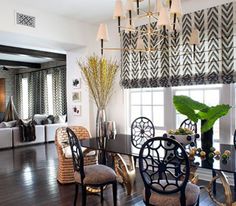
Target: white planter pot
(182, 139)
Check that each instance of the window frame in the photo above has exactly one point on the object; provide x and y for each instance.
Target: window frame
(227, 95)
(141, 90)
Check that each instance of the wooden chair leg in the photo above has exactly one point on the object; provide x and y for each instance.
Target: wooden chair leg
(101, 188)
(84, 194)
(114, 188)
(76, 193)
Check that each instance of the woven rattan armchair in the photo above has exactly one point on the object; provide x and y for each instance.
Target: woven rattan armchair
(65, 172)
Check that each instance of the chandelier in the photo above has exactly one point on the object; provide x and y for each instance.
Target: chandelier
(167, 16)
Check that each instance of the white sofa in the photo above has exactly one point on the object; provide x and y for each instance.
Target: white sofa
(50, 131)
(5, 138)
(10, 137)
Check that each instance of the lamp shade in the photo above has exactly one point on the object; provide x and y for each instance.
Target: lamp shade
(158, 6)
(118, 11)
(177, 26)
(194, 38)
(129, 5)
(140, 44)
(103, 33)
(176, 7)
(164, 17)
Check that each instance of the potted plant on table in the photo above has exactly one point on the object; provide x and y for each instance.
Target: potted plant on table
(184, 136)
(196, 111)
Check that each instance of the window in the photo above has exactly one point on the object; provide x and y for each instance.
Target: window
(156, 104)
(148, 103)
(207, 94)
(50, 97)
(25, 103)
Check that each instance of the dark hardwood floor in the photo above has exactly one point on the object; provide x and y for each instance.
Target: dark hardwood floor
(28, 178)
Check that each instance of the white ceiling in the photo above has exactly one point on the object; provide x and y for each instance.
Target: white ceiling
(95, 11)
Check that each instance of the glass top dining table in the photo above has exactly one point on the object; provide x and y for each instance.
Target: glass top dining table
(122, 144)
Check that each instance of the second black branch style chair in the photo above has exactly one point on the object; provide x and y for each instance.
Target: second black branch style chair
(142, 129)
(90, 175)
(164, 168)
(187, 123)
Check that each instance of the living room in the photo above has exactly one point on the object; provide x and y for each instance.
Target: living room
(60, 38)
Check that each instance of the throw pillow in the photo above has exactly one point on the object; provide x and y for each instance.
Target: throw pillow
(9, 124)
(38, 118)
(49, 120)
(2, 125)
(60, 119)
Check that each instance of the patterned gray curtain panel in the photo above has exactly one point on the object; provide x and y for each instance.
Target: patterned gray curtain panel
(18, 95)
(173, 63)
(37, 88)
(59, 91)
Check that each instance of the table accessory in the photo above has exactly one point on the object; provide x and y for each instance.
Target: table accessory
(99, 74)
(208, 115)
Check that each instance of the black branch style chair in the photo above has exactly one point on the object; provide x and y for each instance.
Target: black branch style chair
(187, 123)
(164, 168)
(142, 129)
(90, 175)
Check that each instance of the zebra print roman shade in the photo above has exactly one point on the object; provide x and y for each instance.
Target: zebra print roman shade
(173, 63)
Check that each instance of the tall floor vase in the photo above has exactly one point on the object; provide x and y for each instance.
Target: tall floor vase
(101, 132)
(100, 123)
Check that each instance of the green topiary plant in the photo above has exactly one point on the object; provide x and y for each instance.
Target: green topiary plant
(195, 111)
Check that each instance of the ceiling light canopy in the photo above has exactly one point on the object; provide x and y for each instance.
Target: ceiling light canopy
(167, 14)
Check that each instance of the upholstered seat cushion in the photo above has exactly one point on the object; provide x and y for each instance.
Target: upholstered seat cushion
(191, 192)
(96, 174)
(67, 152)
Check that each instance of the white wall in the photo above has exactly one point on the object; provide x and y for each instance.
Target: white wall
(52, 32)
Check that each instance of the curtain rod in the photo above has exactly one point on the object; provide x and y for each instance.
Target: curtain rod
(42, 69)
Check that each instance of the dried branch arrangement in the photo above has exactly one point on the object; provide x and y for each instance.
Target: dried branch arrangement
(99, 73)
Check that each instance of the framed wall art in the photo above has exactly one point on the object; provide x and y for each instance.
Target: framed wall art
(76, 110)
(76, 83)
(76, 96)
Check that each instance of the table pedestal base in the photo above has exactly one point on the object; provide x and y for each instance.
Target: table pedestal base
(124, 171)
(228, 195)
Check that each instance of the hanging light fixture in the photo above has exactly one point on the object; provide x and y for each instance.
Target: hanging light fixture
(194, 40)
(102, 35)
(167, 15)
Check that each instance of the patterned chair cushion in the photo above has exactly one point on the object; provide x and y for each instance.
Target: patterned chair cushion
(96, 174)
(191, 192)
(67, 152)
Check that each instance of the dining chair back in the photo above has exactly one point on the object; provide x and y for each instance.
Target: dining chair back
(142, 129)
(187, 123)
(164, 168)
(89, 175)
(77, 154)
